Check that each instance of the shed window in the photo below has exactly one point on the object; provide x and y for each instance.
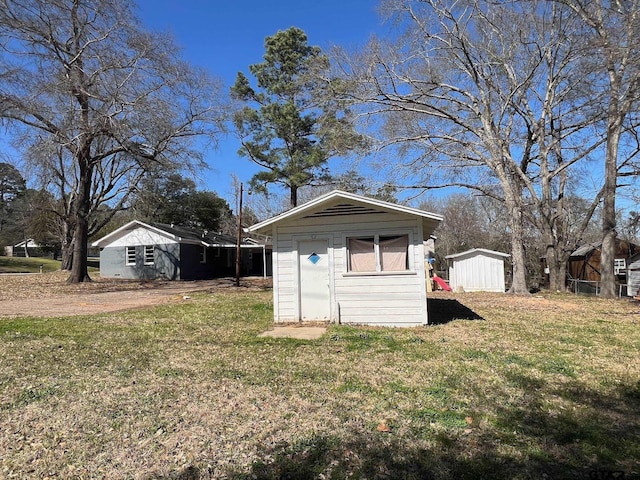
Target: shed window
(378, 253)
(620, 266)
(130, 255)
(203, 255)
(393, 253)
(362, 255)
(148, 254)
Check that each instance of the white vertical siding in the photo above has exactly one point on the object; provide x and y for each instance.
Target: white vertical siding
(285, 295)
(633, 276)
(478, 271)
(385, 299)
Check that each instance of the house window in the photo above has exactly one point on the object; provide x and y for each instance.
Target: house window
(148, 255)
(620, 266)
(130, 256)
(378, 253)
(203, 255)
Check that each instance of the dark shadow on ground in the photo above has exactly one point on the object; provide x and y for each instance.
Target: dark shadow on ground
(442, 311)
(595, 438)
(596, 441)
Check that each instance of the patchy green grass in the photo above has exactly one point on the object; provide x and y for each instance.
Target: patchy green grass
(543, 387)
(28, 265)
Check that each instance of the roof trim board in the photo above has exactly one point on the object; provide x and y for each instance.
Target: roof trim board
(364, 205)
(474, 250)
(178, 234)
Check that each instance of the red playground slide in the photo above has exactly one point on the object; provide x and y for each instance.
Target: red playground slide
(442, 283)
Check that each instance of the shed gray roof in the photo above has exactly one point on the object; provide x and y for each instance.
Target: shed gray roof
(584, 249)
(339, 203)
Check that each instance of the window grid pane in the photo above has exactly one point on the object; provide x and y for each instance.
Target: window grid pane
(131, 255)
(148, 255)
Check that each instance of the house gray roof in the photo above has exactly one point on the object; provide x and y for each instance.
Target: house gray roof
(30, 243)
(180, 234)
(211, 238)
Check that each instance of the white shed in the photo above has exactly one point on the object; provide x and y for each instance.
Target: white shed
(350, 259)
(633, 276)
(477, 270)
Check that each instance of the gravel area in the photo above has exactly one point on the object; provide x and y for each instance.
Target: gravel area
(48, 294)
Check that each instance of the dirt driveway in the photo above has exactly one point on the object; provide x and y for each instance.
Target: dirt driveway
(47, 295)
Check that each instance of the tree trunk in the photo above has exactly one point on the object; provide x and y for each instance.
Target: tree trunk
(81, 206)
(79, 270)
(67, 246)
(552, 266)
(607, 272)
(562, 272)
(519, 276)
(293, 197)
(608, 252)
(556, 261)
(67, 256)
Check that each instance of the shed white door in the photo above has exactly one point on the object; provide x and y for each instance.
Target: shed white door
(315, 297)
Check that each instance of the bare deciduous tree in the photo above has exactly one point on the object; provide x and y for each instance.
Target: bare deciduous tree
(481, 95)
(108, 99)
(612, 69)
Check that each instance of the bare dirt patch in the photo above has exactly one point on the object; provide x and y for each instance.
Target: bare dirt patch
(48, 294)
(299, 332)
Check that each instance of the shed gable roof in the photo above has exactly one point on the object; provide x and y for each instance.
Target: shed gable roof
(339, 204)
(478, 251)
(585, 250)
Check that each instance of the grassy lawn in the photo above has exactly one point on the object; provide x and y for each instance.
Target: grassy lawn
(547, 387)
(28, 265)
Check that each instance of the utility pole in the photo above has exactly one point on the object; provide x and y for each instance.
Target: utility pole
(238, 248)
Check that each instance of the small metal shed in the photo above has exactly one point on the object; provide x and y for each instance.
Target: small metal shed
(633, 276)
(477, 270)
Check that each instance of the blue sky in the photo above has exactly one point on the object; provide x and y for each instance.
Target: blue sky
(225, 37)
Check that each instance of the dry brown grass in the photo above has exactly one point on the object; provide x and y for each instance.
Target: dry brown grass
(537, 386)
(54, 284)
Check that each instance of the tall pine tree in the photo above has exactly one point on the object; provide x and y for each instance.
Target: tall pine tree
(293, 122)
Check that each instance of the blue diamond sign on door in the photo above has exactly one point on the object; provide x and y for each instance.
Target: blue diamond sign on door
(314, 258)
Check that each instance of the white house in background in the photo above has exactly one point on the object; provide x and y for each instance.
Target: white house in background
(350, 259)
(477, 270)
(25, 248)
